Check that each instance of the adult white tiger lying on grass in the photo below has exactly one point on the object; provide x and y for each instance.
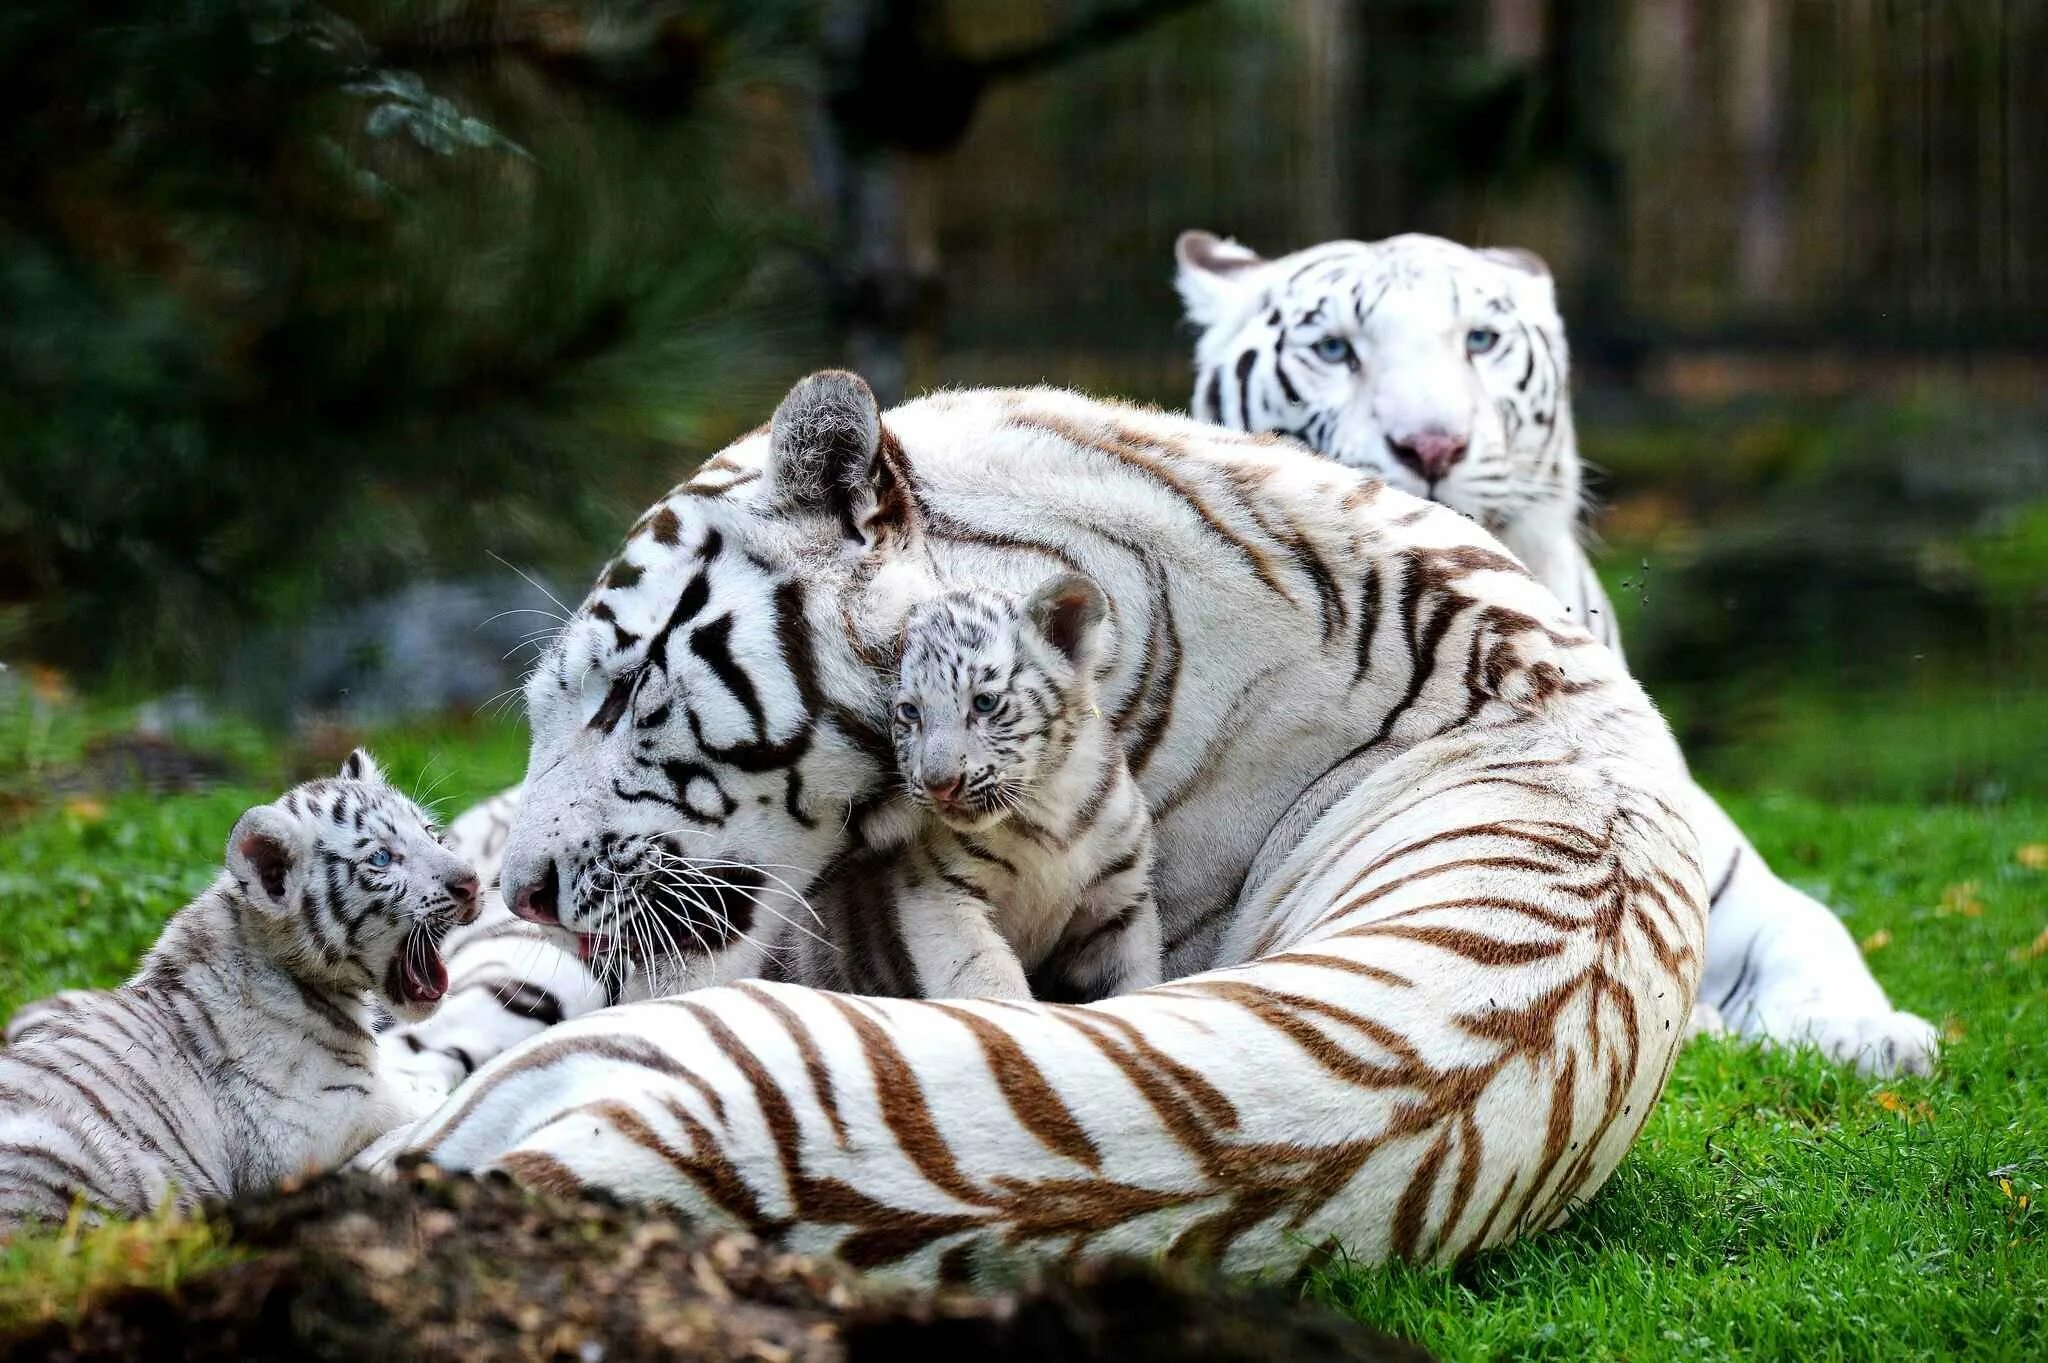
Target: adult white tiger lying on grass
(240, 1053)
(1419, 860)
(1444, 370)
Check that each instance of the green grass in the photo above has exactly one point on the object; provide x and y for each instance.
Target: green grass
(1776, 1206)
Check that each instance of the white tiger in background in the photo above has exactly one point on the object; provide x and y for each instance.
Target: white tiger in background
(240, 1053)
(1421, 872)
(1444, 370)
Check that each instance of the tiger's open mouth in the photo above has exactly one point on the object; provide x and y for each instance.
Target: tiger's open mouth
(417, 976)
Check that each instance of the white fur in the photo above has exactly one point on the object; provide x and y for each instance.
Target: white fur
(1780, 967)
(1432, 1013)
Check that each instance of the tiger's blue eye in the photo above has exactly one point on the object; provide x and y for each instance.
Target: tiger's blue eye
(380, 858)
(1479, 340)
(985, 703)
(1333, 349)
(906, 713)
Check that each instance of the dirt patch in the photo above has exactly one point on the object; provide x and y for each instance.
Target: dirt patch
(470, 1271)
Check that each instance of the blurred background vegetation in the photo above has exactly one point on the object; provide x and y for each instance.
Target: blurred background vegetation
(317, 318)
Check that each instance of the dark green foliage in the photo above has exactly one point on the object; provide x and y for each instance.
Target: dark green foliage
(283, 319)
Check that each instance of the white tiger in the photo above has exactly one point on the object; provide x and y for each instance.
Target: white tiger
(240, 1053)
(1021, 842)
(1417, 831)
(1444, 370)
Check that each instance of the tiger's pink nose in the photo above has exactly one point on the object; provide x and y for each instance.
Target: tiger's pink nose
(536, 903)
(1429, 453)
(944, 789)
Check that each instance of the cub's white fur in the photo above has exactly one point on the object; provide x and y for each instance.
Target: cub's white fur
(1028, 847)
(240, 1053)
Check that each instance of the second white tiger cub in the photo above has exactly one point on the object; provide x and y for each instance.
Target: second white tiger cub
(240, 1053)
(1032, 850)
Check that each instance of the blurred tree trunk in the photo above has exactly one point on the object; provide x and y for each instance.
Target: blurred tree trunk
(1757, 106)
(1585, 40)
(898, 93)
(1325, 126)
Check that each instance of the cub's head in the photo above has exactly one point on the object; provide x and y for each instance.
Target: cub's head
(705, 725)
(355, 888)
(1439, 368)
(989, 691)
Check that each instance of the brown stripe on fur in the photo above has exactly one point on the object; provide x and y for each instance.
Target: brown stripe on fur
(807, 1047)
(1158, 469)
(1032, 1098)
(542, 1173)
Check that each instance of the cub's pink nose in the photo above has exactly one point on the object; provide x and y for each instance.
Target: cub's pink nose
(944, 789)
(1429, 453)
(464, 889)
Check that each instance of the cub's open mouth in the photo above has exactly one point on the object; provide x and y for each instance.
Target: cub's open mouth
(417, 974)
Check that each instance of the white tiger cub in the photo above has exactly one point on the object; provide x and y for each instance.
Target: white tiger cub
(240, 1052)
(1022, 846)
(1444, 371)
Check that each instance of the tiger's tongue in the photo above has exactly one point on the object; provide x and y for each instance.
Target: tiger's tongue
(423, 980)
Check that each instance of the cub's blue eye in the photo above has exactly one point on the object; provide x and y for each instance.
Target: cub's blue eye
(985, 703)
(1479, 340)
(906, 713)
(380, 858)
(1333, 350)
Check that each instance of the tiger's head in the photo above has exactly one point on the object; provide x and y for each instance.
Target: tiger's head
(705, 725)
(989, 694)
(1439, 368)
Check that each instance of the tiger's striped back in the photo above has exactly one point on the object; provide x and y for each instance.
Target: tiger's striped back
(1418, 860)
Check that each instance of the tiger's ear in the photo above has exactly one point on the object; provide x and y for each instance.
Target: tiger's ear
(828, 453)
(266, 846)
(1534, 274)
(1067, 612)
(360, 766)
(1214, 274)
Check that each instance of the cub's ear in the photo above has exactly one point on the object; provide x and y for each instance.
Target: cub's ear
(263, 851)
(360, 766)
(1067, 612)
(1214, 275)
(828, 453)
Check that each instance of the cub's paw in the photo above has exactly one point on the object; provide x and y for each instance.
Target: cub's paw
(1879, 1042)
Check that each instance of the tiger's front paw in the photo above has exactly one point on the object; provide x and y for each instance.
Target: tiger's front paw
(425, 1076)
(1706, 1020)
(1880, 1041)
